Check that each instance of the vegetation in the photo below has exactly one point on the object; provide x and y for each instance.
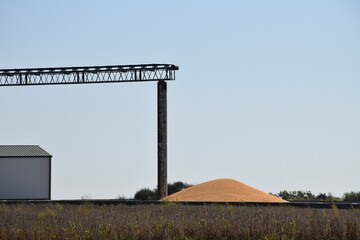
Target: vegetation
(151, 194)
(309, 196)
(306, 196)
(352, 197)
(173, 221)
(148, 194)
(177, 186)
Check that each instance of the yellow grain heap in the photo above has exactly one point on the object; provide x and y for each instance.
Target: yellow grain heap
(222, 190)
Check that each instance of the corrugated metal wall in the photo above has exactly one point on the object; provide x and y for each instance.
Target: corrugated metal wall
(24, 178)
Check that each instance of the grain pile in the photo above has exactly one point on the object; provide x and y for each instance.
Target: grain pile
(222, 190)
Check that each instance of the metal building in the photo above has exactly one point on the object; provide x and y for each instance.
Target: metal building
(25, 173)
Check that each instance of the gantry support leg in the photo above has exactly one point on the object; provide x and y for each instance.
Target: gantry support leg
(162, 139)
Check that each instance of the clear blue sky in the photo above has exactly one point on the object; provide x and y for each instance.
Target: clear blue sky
(268, 92)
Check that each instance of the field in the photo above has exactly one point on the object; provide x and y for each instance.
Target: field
(175, 221)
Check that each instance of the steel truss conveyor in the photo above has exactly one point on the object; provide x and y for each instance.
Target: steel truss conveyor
(107, 74)
(94, 74)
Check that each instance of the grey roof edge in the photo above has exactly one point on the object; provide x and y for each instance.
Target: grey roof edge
(23, 151)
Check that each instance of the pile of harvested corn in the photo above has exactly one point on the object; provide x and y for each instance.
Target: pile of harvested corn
(222, 190)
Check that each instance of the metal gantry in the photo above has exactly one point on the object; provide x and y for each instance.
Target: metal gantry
(93, 74)
(107, 74)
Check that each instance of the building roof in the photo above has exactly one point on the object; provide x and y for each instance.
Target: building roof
(22, 151)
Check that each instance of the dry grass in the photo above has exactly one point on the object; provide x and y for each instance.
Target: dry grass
(173, 221)
(222, 190)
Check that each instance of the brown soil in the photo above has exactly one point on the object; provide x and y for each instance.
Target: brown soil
(222, 190)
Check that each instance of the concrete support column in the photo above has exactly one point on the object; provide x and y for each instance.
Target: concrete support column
(162, 139)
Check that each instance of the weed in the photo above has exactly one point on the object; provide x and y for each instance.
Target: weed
(175, 221)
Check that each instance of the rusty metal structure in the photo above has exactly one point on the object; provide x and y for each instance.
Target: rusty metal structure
(107, 74)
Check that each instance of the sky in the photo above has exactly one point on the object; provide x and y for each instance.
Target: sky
(268, 93)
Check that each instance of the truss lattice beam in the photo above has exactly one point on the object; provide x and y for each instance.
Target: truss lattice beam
(81, 75)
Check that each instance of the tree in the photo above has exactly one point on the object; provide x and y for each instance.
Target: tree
(177, 186)
(306, 196)
(352, 196)
(296, 195)
(148, 194)
(145, 194)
